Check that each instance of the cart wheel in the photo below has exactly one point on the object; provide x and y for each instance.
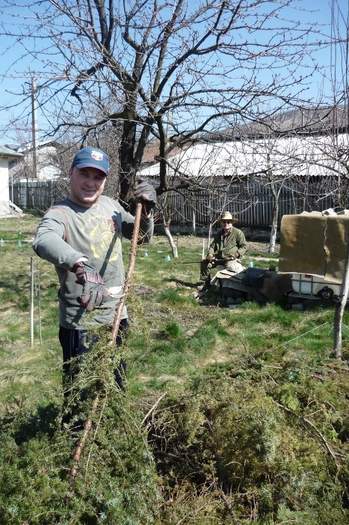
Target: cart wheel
(326, 292)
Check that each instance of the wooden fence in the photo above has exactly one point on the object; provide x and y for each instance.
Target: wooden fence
(38, 195)
(252, 202)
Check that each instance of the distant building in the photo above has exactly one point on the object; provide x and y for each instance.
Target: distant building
(41, 168)
(249, 176)
(7, 156)
(283, 157)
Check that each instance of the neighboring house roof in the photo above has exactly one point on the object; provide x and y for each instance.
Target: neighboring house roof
(5, 151)
(27, 148)
(314, 156)
(152, 152)
(321, 120)
(46, 168)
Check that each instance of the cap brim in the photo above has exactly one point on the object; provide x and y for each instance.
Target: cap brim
(83, 165)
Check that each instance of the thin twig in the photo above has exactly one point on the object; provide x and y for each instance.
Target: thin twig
(153, 408)
(95, 433)
(337, 367)
(227, 504)
(302, 418)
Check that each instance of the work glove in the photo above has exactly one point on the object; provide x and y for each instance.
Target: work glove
(94, 292)
(145, 192)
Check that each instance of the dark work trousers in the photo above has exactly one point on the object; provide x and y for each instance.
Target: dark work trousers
(205, 270)
(76, 343)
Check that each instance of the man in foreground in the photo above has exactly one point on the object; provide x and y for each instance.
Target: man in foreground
(82, 236)
(226, 249)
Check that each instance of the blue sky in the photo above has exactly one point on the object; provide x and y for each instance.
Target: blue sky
(13, 76)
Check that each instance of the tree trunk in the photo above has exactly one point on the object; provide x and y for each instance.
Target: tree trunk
(275, 218)
(126, 154)
(273, 237)
(338, 315)
(171, 241)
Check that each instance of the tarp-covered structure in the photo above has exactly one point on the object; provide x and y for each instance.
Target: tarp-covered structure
(316, 244)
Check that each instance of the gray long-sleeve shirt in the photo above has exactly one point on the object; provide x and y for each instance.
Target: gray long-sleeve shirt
(69, 232)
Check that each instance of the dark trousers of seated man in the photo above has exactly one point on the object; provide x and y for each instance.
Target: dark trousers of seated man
(206, 266)
(205, 270)
(77, 343)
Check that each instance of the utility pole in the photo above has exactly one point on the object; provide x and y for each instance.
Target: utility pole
(34, 128)
(34, 139)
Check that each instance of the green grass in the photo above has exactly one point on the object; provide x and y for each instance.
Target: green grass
(29, 371)
(229, 415)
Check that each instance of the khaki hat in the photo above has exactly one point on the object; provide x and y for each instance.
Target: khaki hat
(227, 216)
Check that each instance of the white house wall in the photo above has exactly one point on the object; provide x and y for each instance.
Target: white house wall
(4, 187)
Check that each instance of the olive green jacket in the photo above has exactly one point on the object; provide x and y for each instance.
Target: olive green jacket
(234, 242)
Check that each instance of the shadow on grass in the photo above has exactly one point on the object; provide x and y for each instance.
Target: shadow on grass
(179, 282)
(25, 426)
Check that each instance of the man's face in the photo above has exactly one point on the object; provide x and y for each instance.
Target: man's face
(86, 185)
(227, 226)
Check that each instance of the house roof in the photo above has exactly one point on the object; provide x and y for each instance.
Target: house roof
(313, 156)
(46, 167)
(5, 151)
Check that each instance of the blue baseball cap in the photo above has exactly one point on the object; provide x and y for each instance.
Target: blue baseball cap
(91, 158)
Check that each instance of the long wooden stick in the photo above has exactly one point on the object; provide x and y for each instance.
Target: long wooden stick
(116, 324)
(127, 282)
(78, 451)
(217, 261)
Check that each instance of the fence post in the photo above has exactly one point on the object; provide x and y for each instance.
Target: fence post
(31, 302)
(34, 287)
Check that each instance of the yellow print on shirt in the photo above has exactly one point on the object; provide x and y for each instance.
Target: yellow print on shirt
(105, 244)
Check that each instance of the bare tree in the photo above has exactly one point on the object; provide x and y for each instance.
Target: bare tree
(174, 71)
(277, 161)
(329, 138)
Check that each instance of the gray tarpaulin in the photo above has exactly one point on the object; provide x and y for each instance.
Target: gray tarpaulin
(315, 244)
(271, 288)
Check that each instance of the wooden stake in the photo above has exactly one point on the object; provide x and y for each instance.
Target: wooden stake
(133, 251)
(31, 303)
(338, 315)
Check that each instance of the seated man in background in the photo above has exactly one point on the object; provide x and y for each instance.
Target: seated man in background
(228, 245)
